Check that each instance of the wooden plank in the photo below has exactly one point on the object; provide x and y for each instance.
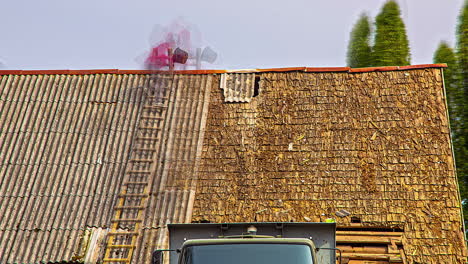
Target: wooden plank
(150, 128)
(138, 172)
(145, 149)
(133, 195)
(362, 226)
(123, 233)
(126, 220)
(147, 138)
(366, 262)
(152, 117)
(369, 233)
(367, 240)
(141, 160)
(380, 257)
(363, 249)
(115, 260)
(120, 246)
(129, 207)
(154, 107)
(135, 183)
(156, 97)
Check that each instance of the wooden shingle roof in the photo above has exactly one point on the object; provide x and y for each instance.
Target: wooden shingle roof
(376, 144)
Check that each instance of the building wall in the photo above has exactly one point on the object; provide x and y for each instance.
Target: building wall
(375, 144)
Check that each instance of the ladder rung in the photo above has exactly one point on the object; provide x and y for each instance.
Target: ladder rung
(138, 172)
(115, 260)
(156, 107)
(156, 97)
(121, 233)
(159, 86)
(152, 117)
(120, 246)
(136, 183)
(141, 160)
(129, 207)
(147, 127)
(147, 138)
(144, 149)
(126, 220)
(133, 195)
(169, 77)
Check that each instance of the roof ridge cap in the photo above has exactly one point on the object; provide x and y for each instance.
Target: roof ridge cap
(304, 69)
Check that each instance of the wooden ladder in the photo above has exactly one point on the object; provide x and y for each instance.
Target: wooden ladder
(135, 190)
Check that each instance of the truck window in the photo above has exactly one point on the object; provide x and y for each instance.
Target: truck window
(248, 254)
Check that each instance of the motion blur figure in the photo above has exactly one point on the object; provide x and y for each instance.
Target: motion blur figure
(174, 48)
(177, 51)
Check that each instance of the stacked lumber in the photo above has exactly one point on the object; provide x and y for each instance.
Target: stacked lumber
(370, 246)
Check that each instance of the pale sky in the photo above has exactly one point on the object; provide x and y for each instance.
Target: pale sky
(114, 34)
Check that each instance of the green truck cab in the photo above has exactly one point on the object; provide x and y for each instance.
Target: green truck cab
(250, 243)
(252, 250)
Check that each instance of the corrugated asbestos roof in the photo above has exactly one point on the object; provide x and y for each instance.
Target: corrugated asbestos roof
(307, 145)
(238, 87)
(64, 145)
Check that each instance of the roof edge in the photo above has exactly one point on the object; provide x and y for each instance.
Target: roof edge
(303, 69)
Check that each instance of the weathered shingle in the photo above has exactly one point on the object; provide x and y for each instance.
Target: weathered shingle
(376, 144)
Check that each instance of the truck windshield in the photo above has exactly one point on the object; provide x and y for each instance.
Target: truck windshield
(248, 254)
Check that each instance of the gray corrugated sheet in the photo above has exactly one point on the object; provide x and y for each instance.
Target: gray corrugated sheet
(237, 87)
(64, 142)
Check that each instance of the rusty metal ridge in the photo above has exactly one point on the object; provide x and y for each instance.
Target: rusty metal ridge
(303, 69)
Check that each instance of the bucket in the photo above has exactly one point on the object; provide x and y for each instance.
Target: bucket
(208, 55)
(180, 56)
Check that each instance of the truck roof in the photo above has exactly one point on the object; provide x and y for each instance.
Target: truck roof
(253, 240)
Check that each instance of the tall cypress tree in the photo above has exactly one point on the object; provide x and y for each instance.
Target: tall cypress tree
(461, 139)
(462, 52)
(455, 100)
(462, 46)
(359, 49)
(391, 45)
(445, 54)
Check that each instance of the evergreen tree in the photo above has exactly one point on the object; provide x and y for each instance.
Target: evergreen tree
(445, 54)
(455, 100)
(391, 46)
(461, 139)
(359, 49)
(462, 45)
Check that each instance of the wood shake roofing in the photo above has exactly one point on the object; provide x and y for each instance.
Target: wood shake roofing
(372, 141)
(376, 144)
